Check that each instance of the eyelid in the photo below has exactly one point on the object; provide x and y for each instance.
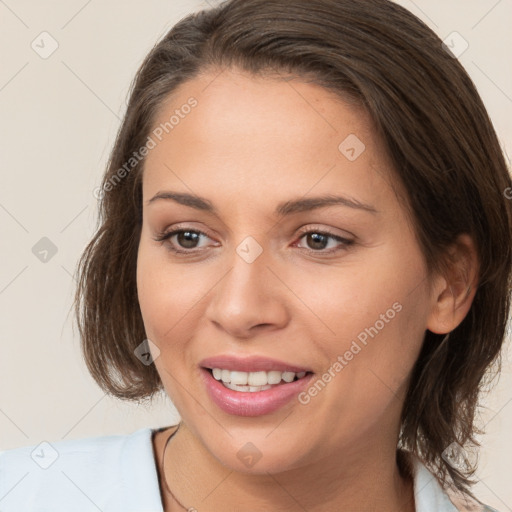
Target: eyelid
(321, 229)
(344, 242)
(167, 233)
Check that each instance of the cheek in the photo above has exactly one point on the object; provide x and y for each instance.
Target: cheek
(168, 301)
(149, 291)
(368, 361)
(374, 312)
(344, 301)
(169, 294)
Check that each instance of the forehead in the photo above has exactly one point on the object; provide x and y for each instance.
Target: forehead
(264, 135)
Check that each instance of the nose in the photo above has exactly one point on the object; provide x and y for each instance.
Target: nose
(249, 298)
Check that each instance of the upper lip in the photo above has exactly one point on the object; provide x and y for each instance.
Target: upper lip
(250, 364)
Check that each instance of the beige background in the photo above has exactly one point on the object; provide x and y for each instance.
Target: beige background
(58, 119)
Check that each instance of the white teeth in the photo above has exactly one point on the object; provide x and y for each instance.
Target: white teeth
(253, 381)
(288, 376)
(274, 377)
(238, 378)
(245, 389)
(257, 379)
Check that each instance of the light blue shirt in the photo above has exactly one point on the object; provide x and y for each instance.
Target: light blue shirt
(119, 474)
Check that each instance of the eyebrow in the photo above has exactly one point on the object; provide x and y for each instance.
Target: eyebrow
(283, 209)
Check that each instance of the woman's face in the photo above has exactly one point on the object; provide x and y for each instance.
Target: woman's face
(251, 290)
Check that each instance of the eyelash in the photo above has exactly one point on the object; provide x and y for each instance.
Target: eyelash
(164, 236)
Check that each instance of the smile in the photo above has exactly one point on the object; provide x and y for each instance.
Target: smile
(252, 386)
(254, 381)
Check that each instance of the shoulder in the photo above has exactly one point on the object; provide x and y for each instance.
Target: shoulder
(111, 473)
(430, 496)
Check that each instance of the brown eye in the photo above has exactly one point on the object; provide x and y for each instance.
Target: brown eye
(317, 240)
(187, 239)
(320, 242)
(182, 240)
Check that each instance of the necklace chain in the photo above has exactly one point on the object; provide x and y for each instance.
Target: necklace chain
(163, 472)
(401, 456)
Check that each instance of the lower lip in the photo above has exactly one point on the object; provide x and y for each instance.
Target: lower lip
(255, 403)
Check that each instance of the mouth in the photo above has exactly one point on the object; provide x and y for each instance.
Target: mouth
(256, 381)
(253, 386)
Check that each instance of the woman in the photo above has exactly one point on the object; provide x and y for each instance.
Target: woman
(305, 241)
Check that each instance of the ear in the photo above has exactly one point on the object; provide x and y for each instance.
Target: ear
(454, 291)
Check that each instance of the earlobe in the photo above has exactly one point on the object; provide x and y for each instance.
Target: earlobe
(454, 292)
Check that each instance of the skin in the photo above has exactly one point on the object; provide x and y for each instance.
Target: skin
(249, 144)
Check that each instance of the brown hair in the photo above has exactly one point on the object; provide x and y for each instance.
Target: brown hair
(445, 154)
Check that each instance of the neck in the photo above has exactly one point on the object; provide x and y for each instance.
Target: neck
(365, 480)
